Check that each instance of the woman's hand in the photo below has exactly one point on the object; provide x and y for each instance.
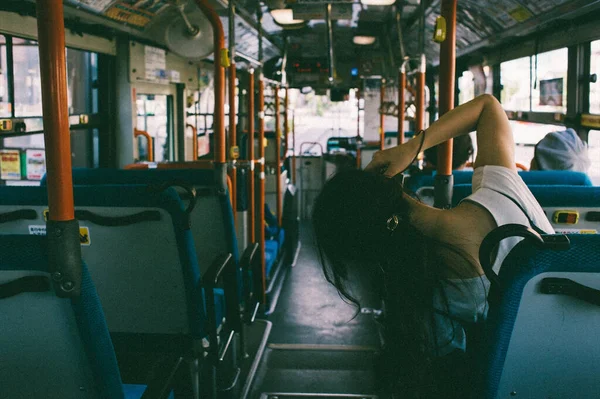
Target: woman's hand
(394, 160)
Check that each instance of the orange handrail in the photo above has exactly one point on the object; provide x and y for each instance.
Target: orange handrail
(230, 189)
(194, 141)
(51, 36)
(420, 97)
(251, 205)
(521, 166)
(401, 88)
(294, 148)
(517, 164)
(137, 133)
(447, 72)
(232, 138)
(261, 185)
(219, 79)
(278, 157)
(381, 116)
(286, 128)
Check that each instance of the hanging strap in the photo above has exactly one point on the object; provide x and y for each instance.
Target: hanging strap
(114, 221)
(24, 284)
(28, 214)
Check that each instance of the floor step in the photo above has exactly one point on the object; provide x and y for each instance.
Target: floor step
(316, 371)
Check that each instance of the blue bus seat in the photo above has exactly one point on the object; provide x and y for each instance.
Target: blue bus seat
(145, 268)
(157, 248)
(535, 177)
(51, 346)
(212, 222)
(63, 348)
(581, 199)
(542, 345)
(271, 252)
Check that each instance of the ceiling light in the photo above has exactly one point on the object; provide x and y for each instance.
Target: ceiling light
(364, 40)
(378, 2)
(285, 16)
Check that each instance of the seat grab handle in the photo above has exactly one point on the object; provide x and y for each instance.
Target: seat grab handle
(565, 286)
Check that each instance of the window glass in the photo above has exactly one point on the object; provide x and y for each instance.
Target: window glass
(79, 82)
(595, 87)
(466, 87)
(4, 101)
(152, 117)
(489, 80)
(526, 136)
(516, 84)
(594, 154)
(549, 91)
(28, 89)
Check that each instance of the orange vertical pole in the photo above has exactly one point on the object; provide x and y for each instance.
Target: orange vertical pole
(420, 97)
(286, 128)
(232, 138)
(63, 249)
(294, 148)
(401, 105)
(251, 205)
(381, 115)
(219, 76)
(278, 156)
(194, 141)
(51, 36)
(447, 72)
(261, 186)
(443, 184)
(358, 150)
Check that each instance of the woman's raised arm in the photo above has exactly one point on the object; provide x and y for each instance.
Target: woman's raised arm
(495, 143)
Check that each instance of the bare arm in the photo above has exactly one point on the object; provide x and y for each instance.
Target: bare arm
(484, 114)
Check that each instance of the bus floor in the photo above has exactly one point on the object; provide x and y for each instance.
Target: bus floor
(316, 345)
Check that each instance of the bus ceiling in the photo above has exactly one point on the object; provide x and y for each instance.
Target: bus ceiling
(361, 41)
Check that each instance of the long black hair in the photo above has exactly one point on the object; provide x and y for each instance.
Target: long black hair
(361, 219)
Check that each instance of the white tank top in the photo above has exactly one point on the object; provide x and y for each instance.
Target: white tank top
(499, 190)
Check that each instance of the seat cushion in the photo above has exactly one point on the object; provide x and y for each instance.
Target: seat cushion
(271, 251)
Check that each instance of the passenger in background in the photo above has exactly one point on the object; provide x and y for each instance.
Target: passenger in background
(562, 150)
(425, 261)
(462, 151)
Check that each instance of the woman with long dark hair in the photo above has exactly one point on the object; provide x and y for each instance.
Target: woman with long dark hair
(425, 260)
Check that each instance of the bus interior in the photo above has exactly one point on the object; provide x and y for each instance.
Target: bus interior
(159, 163)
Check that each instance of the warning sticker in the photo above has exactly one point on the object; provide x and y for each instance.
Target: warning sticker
(577, 231)
(84, 233)
(84, 236)
(37, 230)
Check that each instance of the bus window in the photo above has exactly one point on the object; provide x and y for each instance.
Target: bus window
(594, 154)
(549, 90)
(595, 87)
(527, 135)
(153, 117)
(516, 84)
(4, 101)
(466, 87)
(26, 67)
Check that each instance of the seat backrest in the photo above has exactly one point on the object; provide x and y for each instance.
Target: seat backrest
(544, 345)
(535, 177)
(583, 200)
(50, 346)
(212, 227)
(139, 252)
